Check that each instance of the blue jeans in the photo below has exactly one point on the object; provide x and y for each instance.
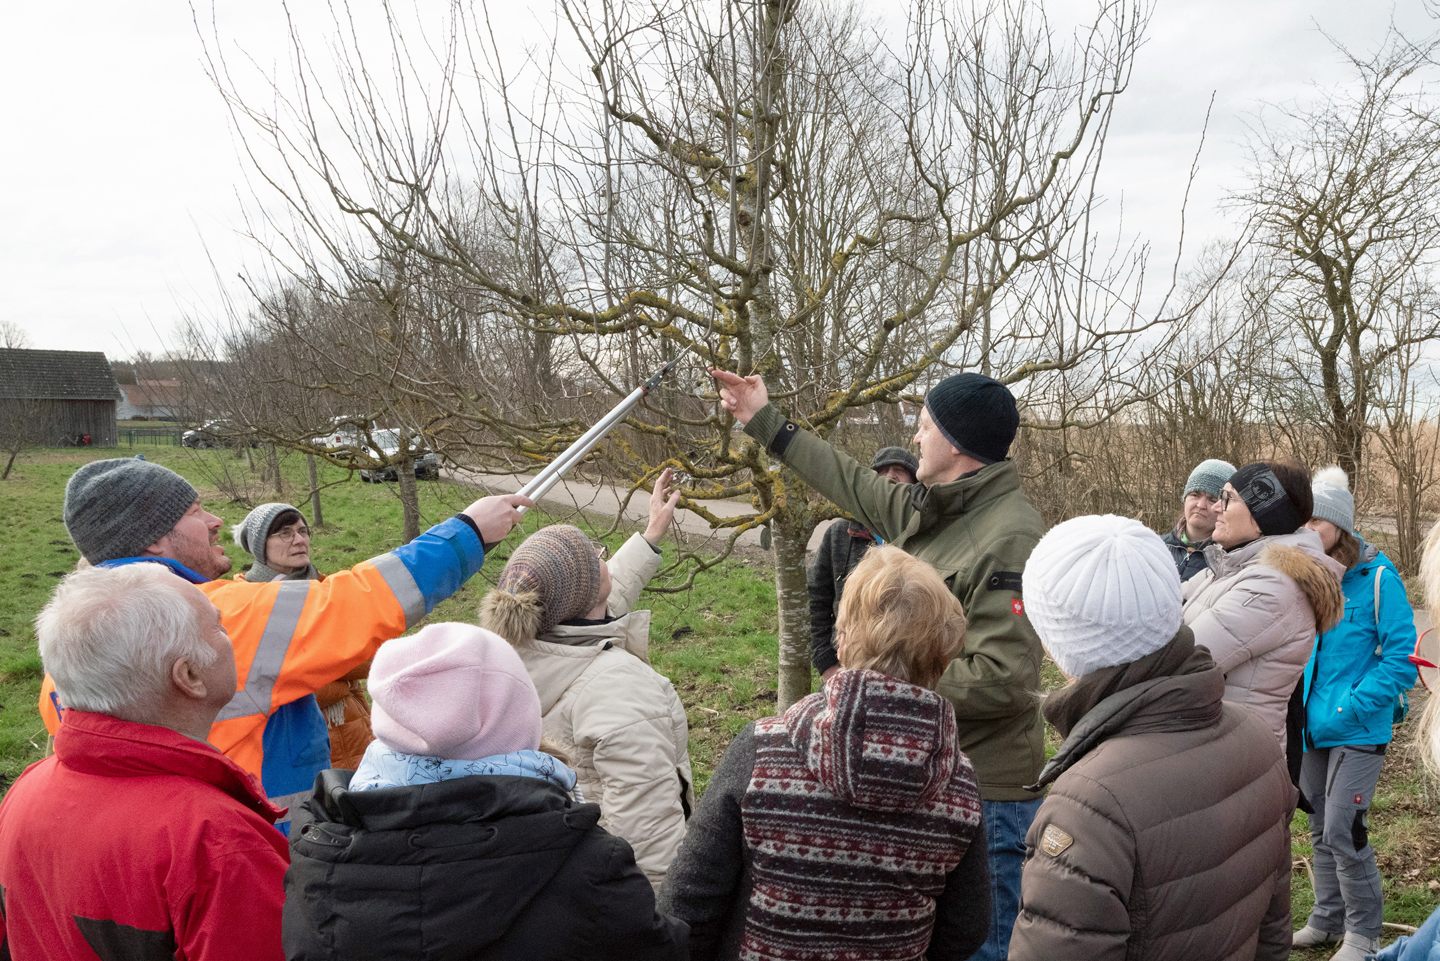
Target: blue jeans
(1005, 825)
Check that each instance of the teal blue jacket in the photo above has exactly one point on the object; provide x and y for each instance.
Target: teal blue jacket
(1363, 663)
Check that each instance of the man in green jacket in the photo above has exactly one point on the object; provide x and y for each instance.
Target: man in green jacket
(968, 517)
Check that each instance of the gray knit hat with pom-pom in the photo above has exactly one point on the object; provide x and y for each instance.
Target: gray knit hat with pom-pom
(1333, 500)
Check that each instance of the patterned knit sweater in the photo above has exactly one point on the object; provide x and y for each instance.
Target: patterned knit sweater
(859, 806)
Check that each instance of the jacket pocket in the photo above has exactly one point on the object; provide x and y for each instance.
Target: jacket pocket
(1342, 724)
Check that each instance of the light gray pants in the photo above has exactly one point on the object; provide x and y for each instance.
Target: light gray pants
(1339, 782)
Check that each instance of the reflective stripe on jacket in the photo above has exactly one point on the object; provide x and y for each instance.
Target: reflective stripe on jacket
(291, 638)
(1362, 663)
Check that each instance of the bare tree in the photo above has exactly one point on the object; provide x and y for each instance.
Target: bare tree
(777, 187)
(22, 426)
(1346, 193)
(12, 335)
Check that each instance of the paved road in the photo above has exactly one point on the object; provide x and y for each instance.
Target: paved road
(604, 500)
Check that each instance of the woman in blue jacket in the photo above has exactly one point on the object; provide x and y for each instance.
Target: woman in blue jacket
(1357, 671)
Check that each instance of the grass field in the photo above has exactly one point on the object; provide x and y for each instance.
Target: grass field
(716, 643)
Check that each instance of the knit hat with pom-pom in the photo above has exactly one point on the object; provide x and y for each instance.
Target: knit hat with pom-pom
(1101, 591)
(552, 577)
(1333, 500)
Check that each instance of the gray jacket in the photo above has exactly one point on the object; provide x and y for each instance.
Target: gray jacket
(1257, 608)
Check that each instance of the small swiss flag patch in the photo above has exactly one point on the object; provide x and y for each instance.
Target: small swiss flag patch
(1359, 799)
(1017, 607)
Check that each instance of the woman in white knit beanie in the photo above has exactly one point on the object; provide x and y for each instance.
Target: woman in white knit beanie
(1163, 799)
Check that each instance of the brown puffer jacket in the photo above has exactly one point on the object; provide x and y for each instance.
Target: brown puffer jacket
(1257, 609)
(1165, 834)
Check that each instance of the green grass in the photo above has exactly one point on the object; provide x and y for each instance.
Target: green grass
(716, 643)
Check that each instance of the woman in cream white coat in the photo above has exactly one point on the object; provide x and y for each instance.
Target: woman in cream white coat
(573, 623)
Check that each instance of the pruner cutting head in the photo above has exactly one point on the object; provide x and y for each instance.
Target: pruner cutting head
(659, 375)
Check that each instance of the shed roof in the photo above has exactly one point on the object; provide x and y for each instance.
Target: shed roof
(56, 375)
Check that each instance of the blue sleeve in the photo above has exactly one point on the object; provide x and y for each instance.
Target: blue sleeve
(1394, 673)
(1423, 945)
(443, 558)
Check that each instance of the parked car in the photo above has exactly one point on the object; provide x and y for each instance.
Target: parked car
(219, 433)
(387, 445)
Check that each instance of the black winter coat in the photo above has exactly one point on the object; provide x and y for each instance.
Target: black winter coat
(845, 542)
(484, 867)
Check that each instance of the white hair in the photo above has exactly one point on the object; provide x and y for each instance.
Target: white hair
(110, 636)
(1428, 732)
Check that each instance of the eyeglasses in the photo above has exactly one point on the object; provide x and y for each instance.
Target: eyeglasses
(601, 551)
(289, 534)
(1225, 498)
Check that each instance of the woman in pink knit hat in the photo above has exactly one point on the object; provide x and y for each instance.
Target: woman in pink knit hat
(457, 837)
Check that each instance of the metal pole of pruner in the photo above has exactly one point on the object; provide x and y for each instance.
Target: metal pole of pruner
(542, 482)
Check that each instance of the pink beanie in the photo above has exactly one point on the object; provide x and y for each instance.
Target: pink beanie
(453, 691)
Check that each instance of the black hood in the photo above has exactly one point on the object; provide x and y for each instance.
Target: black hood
(416, 862)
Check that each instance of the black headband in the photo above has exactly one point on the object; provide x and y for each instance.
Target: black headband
(1263, 493)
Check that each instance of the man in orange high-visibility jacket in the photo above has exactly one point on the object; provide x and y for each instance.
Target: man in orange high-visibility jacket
(290, 637)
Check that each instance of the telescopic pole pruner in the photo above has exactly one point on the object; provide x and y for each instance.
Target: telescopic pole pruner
(541, 484)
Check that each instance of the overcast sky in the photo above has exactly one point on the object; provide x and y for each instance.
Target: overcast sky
(121, 181)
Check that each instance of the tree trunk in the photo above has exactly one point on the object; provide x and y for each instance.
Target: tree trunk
(272, 460)
(409, 498)
(249, 458)
(9, 464)
(316, 518)
(792, 597)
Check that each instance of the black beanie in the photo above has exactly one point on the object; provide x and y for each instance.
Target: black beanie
(976, 414)
(1267, 500)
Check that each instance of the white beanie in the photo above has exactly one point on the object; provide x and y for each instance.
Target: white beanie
(1101, 590)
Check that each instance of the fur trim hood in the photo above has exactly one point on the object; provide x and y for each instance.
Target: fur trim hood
(1319, 583)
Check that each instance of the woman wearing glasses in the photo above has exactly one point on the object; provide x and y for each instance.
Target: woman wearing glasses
(1267, 588)
(277, 536)
(1358, 670)
(571, 618)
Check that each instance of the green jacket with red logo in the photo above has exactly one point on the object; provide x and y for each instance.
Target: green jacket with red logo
(977, 532)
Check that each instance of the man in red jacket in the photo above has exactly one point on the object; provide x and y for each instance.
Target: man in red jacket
(137, 839)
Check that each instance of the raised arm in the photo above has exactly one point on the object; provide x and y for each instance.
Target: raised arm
(852, 486)
(314, 632)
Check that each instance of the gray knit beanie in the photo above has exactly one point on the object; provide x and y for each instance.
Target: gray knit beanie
(895, 457)
(250, 533)
(1210, 476)
(117, 508)
(551, 577)
(1333, 500)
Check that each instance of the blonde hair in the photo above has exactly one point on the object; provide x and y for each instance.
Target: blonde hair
(897, 617)
(1427, 738)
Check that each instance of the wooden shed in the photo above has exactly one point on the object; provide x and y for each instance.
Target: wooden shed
(67, 394)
